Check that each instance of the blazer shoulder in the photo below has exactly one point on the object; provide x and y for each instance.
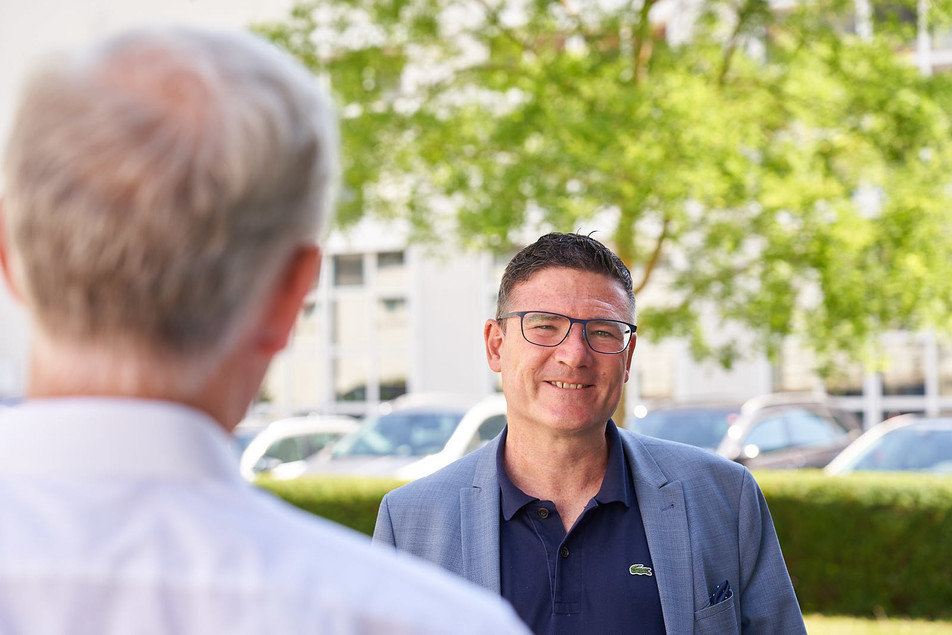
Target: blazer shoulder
(678, 460)
(447, 480)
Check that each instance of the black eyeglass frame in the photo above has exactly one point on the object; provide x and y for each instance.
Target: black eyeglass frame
(572, 321)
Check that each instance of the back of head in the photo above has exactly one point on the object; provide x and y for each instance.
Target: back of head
(156, 180)
(572, 251)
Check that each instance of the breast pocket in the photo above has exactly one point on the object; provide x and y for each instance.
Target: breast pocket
(716, 620)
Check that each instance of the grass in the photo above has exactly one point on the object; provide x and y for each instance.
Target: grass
(827, 625)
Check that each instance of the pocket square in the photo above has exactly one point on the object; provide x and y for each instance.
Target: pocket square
(721, 593)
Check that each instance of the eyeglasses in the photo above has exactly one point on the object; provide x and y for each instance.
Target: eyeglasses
(550, 329)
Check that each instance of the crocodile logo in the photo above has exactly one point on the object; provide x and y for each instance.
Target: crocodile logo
(639, 569)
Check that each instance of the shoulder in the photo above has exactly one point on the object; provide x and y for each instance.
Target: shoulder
(336, 570)
(446, 481)
(679, 461)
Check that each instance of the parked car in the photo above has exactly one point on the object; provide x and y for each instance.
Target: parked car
(413, 436)
(904, 443)
(702, 424)
(790, 430)
(782, 430)
(280, 449)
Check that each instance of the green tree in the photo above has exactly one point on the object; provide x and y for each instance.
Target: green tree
(771, 169)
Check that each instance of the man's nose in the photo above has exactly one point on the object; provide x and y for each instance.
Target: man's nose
(574, 346)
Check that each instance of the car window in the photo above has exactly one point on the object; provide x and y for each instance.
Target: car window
(400, 433)
(845, 420)
(703, 428)
(909, 449)
(487, 432)
(768, 434)
(319, 440)
(806, 427)
(290, 449)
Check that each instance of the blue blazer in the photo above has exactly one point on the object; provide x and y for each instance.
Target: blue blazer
(705, 518)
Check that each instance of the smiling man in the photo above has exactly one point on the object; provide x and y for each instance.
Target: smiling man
(583, 527)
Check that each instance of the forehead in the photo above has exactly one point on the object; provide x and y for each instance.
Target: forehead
(573, 292)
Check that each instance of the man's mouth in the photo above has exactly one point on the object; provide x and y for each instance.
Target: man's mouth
(566, 385)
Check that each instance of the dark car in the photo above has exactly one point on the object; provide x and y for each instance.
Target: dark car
(905, 443)
(789, 431)
(702, 424)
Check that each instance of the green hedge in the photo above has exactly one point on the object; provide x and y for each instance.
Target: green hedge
(858, 545)
(865, 544)
(352, 502)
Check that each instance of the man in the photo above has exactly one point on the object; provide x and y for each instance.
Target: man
(164, 191)
(583, 527)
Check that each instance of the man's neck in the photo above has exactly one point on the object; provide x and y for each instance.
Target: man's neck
(63, 370)
(565, 469)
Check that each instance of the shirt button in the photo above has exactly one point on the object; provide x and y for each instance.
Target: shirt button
(564, 551)
(543, 513)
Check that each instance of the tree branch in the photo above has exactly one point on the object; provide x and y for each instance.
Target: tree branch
(655, 256)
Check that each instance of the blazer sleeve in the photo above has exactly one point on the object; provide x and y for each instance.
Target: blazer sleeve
(768, 601)
(383, 530)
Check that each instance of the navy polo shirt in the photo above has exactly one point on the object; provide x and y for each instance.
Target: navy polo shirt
(598, 577)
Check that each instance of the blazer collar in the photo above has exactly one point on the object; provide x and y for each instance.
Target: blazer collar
(479, 521)
(666, 526)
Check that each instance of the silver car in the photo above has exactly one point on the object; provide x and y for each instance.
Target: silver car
(904, 443)
(413, 437)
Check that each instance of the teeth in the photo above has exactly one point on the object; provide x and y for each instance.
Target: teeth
(560, 384)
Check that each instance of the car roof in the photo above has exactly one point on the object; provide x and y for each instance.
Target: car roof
(428, 402)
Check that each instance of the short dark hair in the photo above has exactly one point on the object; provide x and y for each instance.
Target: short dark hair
(572, 251)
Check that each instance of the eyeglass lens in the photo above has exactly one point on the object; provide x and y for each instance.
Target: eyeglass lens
(549, 329)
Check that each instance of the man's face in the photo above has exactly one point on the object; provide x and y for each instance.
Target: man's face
(568, 388)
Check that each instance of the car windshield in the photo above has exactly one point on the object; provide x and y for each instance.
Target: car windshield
(401, 434)
(703, 428)
(909, 449)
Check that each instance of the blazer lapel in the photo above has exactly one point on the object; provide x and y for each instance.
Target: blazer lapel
(666, 526)
(479, 522)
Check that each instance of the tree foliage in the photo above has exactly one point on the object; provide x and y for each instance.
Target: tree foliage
(769, 168)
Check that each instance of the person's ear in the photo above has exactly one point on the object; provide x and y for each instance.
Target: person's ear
(6, 256)
(493, 335)
(298, 277)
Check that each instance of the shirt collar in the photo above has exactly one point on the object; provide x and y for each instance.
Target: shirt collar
(616, 486)
(128, 437)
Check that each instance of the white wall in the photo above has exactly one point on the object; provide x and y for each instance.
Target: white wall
(457, 294)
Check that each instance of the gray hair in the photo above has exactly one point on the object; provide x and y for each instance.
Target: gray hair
(158, 180)
(572, 251)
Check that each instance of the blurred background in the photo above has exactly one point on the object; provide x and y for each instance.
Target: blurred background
(776, 175)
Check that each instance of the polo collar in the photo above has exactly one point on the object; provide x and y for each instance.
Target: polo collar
(616, 485)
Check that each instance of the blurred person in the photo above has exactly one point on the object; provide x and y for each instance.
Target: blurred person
(584, 527)
(164, 191)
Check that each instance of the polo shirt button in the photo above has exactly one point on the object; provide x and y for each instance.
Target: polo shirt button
(543, 513)
(564, 551)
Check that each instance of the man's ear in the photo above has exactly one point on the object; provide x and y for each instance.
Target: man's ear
(6, 256)
(492, 335)
(297, 278)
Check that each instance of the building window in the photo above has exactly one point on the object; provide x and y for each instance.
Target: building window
(846, 380)
(945, 369)
(351, 375)
(796, 368)
(348, 270)
(904, 373)
(351, 344)
(391, 270)
(350, 322)
(656, 371)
